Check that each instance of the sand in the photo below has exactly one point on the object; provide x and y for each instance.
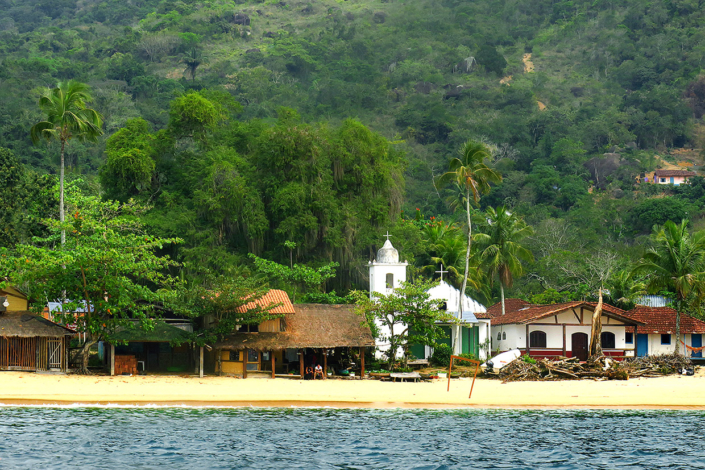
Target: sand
(665, 392)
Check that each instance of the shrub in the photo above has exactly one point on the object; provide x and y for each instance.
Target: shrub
(441, 355)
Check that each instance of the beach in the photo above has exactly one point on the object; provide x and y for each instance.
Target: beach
(673, 392)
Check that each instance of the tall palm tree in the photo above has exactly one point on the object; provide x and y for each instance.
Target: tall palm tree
(499, 247)
(67, 117)
(676, 263)
(624, 287)
(192, 61)
(471, 173)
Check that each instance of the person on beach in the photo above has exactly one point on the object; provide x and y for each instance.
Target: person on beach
(319, 372)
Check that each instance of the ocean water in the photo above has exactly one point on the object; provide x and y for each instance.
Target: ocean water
(259, 438)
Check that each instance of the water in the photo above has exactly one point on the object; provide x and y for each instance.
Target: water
(194, 438)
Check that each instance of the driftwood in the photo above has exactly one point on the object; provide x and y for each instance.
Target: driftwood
(596, 368)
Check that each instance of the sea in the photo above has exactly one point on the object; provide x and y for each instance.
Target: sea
(116, 437)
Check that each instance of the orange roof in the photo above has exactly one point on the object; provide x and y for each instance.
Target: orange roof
(510, 305)
(662, 320)
(665, 173)
(273, 297)
(525, 312)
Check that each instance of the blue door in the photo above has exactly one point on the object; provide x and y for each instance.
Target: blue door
(672, 180)
(642, 345)
(697, 341)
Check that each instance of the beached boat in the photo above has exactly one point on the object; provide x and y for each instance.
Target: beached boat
(501, 360)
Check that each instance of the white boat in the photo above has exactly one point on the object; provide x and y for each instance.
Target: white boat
(501, 360)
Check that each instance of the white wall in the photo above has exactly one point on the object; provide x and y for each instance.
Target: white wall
(485, 327)
(378, 283)
(655, 346)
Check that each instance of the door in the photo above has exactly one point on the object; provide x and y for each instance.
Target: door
(642, 345)
(672, 180)
(580, 345)
(697, 342)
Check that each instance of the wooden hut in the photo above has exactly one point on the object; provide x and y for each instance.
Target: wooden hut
(31, 342)
(312, 328)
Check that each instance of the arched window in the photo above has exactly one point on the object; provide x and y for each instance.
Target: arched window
(537, 339)
(390, 281)
(499, 336)
(504, 335)
(607, 340)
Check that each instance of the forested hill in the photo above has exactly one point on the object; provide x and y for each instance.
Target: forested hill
(549, 86)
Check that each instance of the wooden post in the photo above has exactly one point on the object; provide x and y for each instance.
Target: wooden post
(112, 359)
(301, 363)
(271, 354)
(528, 346)
(200, 368)
(325, 364)
(564, 351)
(244, 363)
(362, 362)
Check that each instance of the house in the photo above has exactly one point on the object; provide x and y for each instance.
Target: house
(307, 335)
(672, 176)
(16, 300)
(32, 343)
(558, 329)
(657, 334)
(388, 273)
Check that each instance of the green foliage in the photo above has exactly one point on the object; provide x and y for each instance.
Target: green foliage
(441, 355)
(528, 359)
(192, 115)
(651, 212)
(491, 59)
(295, 278)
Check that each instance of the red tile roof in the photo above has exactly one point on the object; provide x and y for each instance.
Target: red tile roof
(274, 296)
(510, 305)
(527, 313)
(665, 173)
(662, 320)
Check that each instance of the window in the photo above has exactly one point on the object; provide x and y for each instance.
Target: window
(607, 339)
(249, 328)
(629, 338)
(234, 355)
(504, 335)
(390, 281)
(665, 339)
(537, 339)
(499, 336)
(663, 180)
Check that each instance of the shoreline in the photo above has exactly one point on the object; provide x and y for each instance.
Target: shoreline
(662, 393)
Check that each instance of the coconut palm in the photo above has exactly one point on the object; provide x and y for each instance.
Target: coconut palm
(192, 61)
(624, 287)
(675, 263)
(67, 117)
(499, 248)
(471, 173)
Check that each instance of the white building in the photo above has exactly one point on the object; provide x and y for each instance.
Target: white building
(657, 335)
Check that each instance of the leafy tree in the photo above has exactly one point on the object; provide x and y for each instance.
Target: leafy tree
(109, 271)
(192, 115)
(658, 211)
(192, 61)
(491, 59)
(67, 117)
(675, 262)
(499, 247)
(470, 172)
(297, 277)
(408, 313)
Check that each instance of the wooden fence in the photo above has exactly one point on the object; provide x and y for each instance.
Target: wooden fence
(35, 353)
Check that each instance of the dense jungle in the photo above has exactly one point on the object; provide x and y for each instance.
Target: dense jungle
(300, 132)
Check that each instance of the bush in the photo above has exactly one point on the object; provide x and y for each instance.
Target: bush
(441, 355)
(528, 359)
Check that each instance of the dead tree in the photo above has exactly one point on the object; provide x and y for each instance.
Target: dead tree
(596, 330)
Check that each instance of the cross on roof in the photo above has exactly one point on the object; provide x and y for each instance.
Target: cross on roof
(441, 271)
(389, 236)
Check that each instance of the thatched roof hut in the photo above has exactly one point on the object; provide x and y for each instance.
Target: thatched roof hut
(310, 326)
(31, 342)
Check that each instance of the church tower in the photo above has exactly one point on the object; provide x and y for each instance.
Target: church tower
(386, 272)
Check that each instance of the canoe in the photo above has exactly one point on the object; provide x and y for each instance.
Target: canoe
(501, 360)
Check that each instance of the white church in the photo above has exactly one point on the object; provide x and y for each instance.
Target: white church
(471, 335)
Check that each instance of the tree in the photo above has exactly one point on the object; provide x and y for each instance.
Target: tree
(675, 263)
(408, 314)
(192, 61)
(470, 172)
(67, 117)
(499, 248)
(109, 271)
(297, 277)
(493, 61)
(193, 115)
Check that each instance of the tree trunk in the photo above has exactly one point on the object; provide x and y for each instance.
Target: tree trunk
(678, 327)
(61, 195)
(456, 346)
(501, 291)
(85, 355)
(596, 330)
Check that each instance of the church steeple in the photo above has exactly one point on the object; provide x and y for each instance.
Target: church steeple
(386, 272)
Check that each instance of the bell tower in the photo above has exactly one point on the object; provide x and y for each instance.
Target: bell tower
(386, 272)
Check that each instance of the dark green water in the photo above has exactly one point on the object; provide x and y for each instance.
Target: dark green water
(194, 438)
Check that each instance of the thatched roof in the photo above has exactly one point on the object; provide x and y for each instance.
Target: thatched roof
(27, 324)
(311, 326)
(162, 333)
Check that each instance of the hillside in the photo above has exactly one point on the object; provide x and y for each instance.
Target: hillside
(550, 87)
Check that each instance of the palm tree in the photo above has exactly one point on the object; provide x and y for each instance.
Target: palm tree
(624, 287)
(193, 60)
(499, 251)
(67, 117)
(471, 173)
(676, 263)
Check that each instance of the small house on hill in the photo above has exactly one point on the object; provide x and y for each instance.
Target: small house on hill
(657, 334)
(672, 176)
(304, 337)
(559, 329)
(30, 342)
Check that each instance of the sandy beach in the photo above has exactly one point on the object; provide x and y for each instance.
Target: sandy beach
(665, 392)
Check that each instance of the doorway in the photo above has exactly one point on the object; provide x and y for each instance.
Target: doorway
(580, 345)
(696, 342)
(642, 345)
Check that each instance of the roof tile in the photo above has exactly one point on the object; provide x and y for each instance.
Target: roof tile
(662, 320)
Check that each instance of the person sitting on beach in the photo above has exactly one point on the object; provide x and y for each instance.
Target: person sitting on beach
(319, 372)
(309, 373)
